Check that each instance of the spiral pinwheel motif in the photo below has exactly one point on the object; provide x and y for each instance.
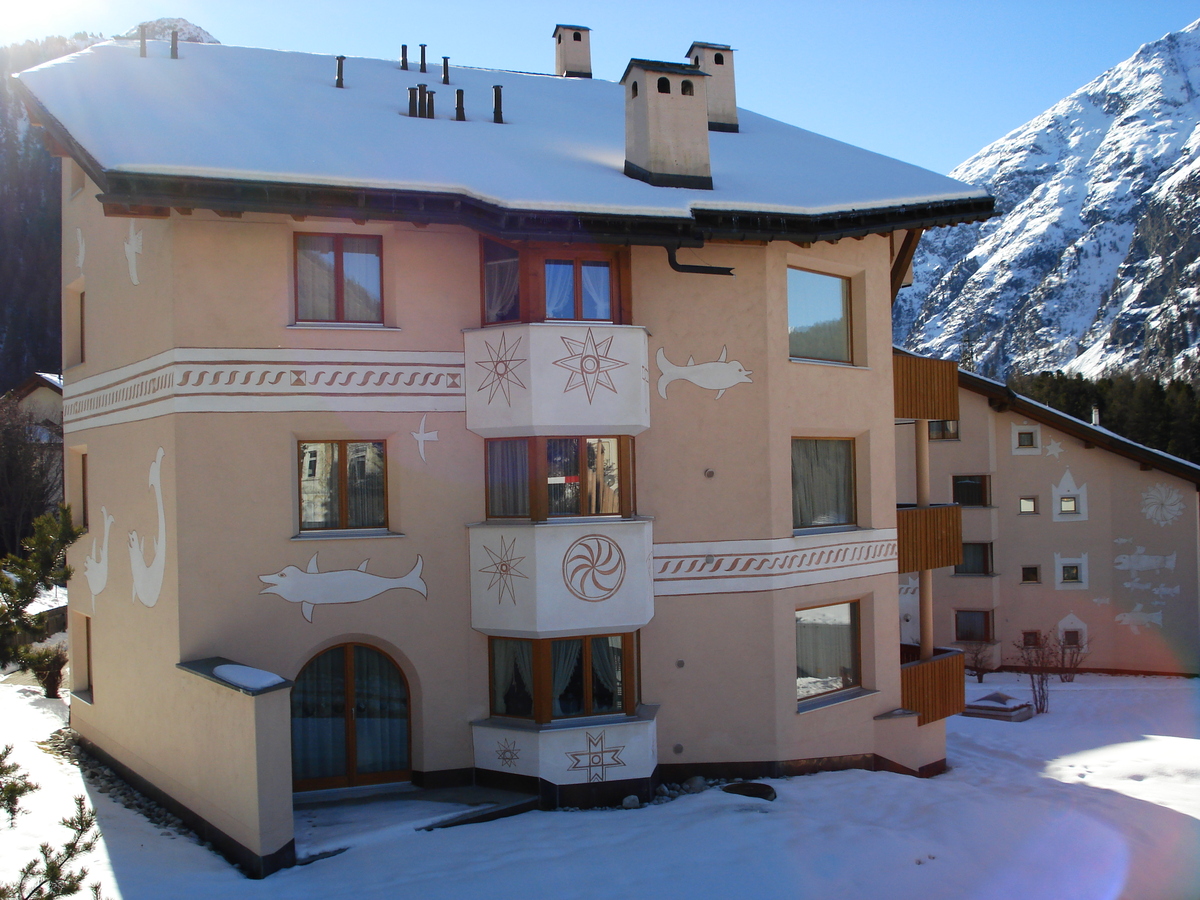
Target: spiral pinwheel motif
(593, 568)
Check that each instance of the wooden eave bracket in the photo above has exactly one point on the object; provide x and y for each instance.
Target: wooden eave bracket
(904, 258)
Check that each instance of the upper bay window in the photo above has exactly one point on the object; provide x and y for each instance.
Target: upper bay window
(818, 316)
(822, 483)
(339, 278)
(541, 478)
(537, 283)
(343, 484)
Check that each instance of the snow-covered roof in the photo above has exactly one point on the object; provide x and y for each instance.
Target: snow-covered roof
(267, 116)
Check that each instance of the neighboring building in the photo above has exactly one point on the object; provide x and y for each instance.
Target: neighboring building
(1068, 531)
(41, 396)
(461, 439)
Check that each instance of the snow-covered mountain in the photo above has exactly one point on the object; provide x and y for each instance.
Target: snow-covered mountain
(1093, 264)
(160, 30)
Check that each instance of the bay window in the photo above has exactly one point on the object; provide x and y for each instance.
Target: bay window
(339, 278)
(538, 282)
(827, 650)
(561, 678)
(342, 485)
(541, 478)
(822, 483)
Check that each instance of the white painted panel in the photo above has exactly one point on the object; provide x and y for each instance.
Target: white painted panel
(599, 752)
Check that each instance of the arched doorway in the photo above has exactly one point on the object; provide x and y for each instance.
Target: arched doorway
(350, 720)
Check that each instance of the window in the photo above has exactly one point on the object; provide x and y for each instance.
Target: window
(818, 316)
(822, 483)
(971, 490)
(719, 59)
(1068, 506)
(1026, 439)
(972, 625)
(1031, 574)
(687, 89)
(540, 478)
(664, 86)
(1072, 638)
(1070, 574)
(827, 650)
(1031, 639)
(339, 278)
(342, 485)
(977, 560)
(1027, 506)
(943, 430)
(535, 283)
(563, 677)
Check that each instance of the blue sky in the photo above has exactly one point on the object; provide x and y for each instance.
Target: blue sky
(928, 82)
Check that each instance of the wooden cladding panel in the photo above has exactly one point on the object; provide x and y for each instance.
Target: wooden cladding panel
(928, 537)
(925, 388)
(934, 688)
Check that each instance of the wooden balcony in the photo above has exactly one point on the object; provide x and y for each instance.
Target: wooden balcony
(933, 688)
(925, 388)
(928, 537)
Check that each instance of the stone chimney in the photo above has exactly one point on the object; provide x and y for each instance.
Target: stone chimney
(666, 124)
(572, 51)
(716, 61)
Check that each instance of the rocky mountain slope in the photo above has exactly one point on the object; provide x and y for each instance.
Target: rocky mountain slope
(1094, 263)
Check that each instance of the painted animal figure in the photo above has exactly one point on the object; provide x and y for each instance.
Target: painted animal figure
(312, 587)
(1136, 617)
(133, 246)
(1163, 591)
(1138, 561)
(95, 566)
(148, 579)
(719, 375)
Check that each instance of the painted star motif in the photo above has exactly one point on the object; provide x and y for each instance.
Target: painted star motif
(589, 364)
(597, 758)
(508, 753)
(503, 569)
(1054, 448)
(501, 367)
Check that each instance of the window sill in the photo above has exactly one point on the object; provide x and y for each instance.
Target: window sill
(978, 506)
(84, 696)
(343, 326)
(826, 362)
(559, 520)
(803, 706)
(346, 534)
(975, 574)
(1028, 582)
(826, 529)
(645, 713)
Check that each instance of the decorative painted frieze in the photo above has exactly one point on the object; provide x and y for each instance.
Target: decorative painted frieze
(560, 378)
(622, 749)
(267, 380)
(729, 567)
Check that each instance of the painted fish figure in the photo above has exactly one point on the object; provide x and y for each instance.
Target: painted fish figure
(95, 566)
(312, 587)
(1163, 591)
(719, 375)
(1136, 585)
(148, 577)
(1136, 617)
(1138, 561)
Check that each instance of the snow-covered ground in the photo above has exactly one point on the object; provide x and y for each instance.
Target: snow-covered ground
(1098, 799)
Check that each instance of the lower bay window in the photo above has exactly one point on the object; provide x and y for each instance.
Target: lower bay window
(343, 484)
(827, 650)
(541, 478)
(561, 678)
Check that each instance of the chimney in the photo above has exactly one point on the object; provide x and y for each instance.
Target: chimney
(716, 61)
(666, 124)
(573, 51)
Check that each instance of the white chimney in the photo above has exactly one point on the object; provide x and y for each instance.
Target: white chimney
(716, 61)
(666, 124)
(572, 51)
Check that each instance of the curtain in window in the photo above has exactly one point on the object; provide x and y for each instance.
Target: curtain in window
(512, 677)
(361, 288)
(607, 687)
(826, 649)
(319, 718)
(319, 500)
(508, 478)
(562, 476)
(975, 560)
(602, 488)
(567, 680)
(380, 713)
(597, 290)
(822, 483)
(560, 289)
(315, 293)
(365, 492)
(501, 283)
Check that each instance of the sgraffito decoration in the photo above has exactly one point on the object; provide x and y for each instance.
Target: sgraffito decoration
(422, 436)
(719, 375)
(501, 367)
(312, 587)
(507, 752)
(1162, 504)
(503, 568)
(1137, 619)
(593, 568)
(95, 565)
(82, 252)
(148, 577)
(133, 248)
(589, 364)
(597, 759)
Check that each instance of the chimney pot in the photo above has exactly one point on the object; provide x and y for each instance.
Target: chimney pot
(445, 70)
(460, 112)
(497, 104)
(716, 61)
(340, 62)
(413, 109)
(404, 57)
(666, 124)
(422, 99)
(572, 51)
(429, 104)
(422, 58)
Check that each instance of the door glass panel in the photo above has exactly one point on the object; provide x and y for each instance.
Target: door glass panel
(597, 292)
(380, 713)
(562, 476)
(319, 718)
(560, 289)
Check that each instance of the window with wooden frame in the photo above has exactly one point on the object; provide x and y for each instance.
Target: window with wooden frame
(545, 477)
(342, 485)
(822, 483)
(1027, 506)
(977, 560)
(536, 282)
(972, 625)
(1031, 639)
(561, 678)
(971, 490)
(339, 278)
(827, 650)
(943, 429)
(818, 316)
(1031, 574)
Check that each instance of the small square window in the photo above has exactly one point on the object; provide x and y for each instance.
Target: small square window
(1025, 439)
(972, 625)
(1031, 639)
(1027, 506)
(943, 429)
(1031, 574)
(970, 490)
(1071, 639)
(1070, 573)
(1068, 505)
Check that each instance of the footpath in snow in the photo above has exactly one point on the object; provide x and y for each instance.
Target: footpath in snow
(1097, 800)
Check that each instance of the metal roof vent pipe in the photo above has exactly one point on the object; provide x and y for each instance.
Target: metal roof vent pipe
(174, 45)
(422, 59)
(142, 35)
(572, 51)
(338, 81)
(716, 61)
(404, 57)
(497, 104)
(666, 124)
(460, 110)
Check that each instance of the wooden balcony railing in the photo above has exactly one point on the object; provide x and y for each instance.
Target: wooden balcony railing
(925, 388)
(933, 688)
(928, 537)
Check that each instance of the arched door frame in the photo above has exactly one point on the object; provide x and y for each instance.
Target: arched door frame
(353, 778)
